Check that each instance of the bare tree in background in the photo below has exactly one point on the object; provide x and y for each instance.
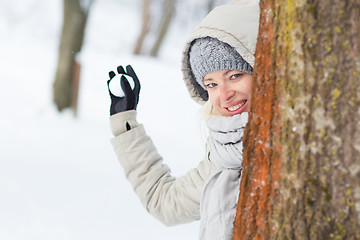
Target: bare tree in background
(157, 30)
(167, 12)
(66, 83)
(210, 5)
(145, 26)
(301, 170)
(167, 15)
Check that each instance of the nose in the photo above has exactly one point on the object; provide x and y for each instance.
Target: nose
(226, 92)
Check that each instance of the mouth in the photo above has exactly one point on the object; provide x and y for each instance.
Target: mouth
(237, 107)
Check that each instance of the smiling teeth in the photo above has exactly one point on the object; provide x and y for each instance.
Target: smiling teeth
(234, 108)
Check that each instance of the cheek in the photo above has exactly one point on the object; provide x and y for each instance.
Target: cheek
(248, 91)
(245, 87)
(213, 97)
(248, 86)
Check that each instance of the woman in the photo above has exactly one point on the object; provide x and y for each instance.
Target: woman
(217, 65)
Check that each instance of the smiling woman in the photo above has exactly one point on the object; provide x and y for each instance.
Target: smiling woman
(220, 70)
(217, 70)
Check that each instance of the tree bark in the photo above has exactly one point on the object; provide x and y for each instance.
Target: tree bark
(75, 17)
(301, 170)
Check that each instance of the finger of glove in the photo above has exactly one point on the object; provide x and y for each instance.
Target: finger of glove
(130, 71)
(111, 75)
(120, 70)
(125, 86)
(129, 94)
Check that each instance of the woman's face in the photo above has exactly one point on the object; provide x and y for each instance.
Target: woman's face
(229, 91)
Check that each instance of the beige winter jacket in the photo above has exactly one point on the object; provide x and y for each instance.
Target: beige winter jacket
(171, 200)
(176, 200)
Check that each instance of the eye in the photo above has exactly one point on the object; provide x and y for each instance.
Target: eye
(235, 76)
(211, 85)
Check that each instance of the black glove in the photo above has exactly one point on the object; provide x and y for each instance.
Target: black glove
(131, 98)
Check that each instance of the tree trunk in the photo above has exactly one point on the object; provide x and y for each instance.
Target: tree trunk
(210, 5)
(72, 36)
(168, 12)
(144, 27)
(301, 176)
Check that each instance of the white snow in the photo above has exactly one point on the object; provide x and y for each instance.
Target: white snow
(59, 177)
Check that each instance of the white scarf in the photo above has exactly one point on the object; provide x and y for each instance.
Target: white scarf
(220, 196)
(225, 135)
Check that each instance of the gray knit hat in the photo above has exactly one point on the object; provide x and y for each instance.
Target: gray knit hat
(209, 55)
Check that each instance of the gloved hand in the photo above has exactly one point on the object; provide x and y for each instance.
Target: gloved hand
(131, 96)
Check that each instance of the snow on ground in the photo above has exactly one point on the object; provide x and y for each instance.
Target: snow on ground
(59, 177)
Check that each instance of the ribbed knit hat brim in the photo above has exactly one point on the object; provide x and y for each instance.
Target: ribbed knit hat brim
(209, 55)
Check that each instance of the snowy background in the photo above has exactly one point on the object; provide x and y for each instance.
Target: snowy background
(59, 177)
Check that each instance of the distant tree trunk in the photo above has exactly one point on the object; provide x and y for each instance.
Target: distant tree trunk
(146, 16)
(75, 17)
(167, 14)
(301, 176)
(210, 5)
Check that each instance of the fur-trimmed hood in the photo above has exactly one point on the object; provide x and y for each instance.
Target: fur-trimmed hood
(235, 23)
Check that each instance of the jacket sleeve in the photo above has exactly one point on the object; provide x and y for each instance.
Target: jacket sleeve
(169, 199)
